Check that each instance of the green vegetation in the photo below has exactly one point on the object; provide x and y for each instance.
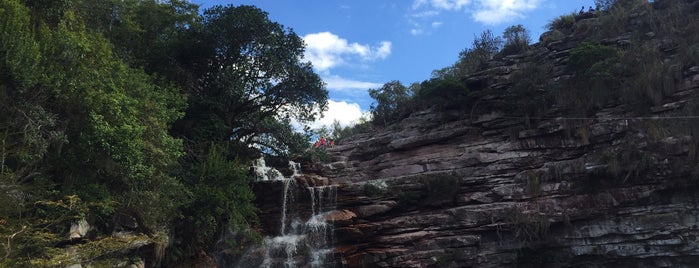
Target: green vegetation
(516, 40)
(527, 225)
(564, 23)
(146, 108)
(445, 90)
(594, 84)
(391, 102)
(375, 188)
(154, 110)
(441, 188)
(437, 189)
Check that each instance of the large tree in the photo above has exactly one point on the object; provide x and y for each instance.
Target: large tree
(250, 71)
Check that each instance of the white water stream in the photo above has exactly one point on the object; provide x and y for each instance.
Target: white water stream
(305, 238)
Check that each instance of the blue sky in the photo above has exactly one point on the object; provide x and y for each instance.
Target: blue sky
(361, 44)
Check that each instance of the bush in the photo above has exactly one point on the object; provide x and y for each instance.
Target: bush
(442, 188)
(531, 90)
(444, 93)
(516, 40)
(528, 226)
(595, 80)
(563, 23)
(391, 103)
(476, 58)
(375, 188)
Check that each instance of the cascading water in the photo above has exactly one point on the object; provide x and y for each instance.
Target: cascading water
(304, 238)
(265, 173)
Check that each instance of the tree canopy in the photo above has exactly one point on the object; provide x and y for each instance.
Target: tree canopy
(143, 108)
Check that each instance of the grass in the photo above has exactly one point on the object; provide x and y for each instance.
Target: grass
(528, 226)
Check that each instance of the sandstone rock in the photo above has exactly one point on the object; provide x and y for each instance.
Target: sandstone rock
(340, 216)
(558, 192)
(79, 229)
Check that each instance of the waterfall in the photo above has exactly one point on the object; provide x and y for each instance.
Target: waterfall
(263, 172)
(304, 238)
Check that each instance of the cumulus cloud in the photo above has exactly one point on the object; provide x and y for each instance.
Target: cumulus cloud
(483, 11)
(327, 50)
(344, 112)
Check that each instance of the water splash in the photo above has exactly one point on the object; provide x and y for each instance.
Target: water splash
(305, 238)
(263, 172)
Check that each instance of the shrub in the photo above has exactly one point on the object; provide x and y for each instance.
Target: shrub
(528, 226)
(476, 58)
(441, 188)
(517, 40)
(443, 92)
(531, 90)
(595, 81)
(563, 23)
(391, 102)
(375, 188)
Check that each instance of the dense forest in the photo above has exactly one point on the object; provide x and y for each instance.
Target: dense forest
(141, 117)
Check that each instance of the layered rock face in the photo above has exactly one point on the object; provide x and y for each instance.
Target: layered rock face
(483, 188)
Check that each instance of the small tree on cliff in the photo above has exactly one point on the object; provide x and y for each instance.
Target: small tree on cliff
(476, 57)
(516, 39)
(391, 101)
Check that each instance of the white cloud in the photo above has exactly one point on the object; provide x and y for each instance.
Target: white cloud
(425, 14)
(436, 24)
(499, 11)
(335, 82)
(442, 4)
(417, 31)
(483, 11)
(344, 112)
(327, 50)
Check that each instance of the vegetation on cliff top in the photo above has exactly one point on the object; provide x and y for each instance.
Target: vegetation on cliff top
(638, 71)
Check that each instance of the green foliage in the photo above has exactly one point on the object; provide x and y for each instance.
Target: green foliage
(29, 240)
(627, 163)
(611, 5)
(340, 133)
(450, 258)
(586, 55)
(564, 23)
(316, 155)
(441, 188)
(92, 98)
(527, 225)
(595, 82)
(530, 94)
(443, 92)
(475, 58)
(604, 4)
(391, 103)
(144, 33)
(221, 196)
(517, 40)
(375, 188)
(251, 72)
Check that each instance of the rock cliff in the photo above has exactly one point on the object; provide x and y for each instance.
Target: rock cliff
(483, 187)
